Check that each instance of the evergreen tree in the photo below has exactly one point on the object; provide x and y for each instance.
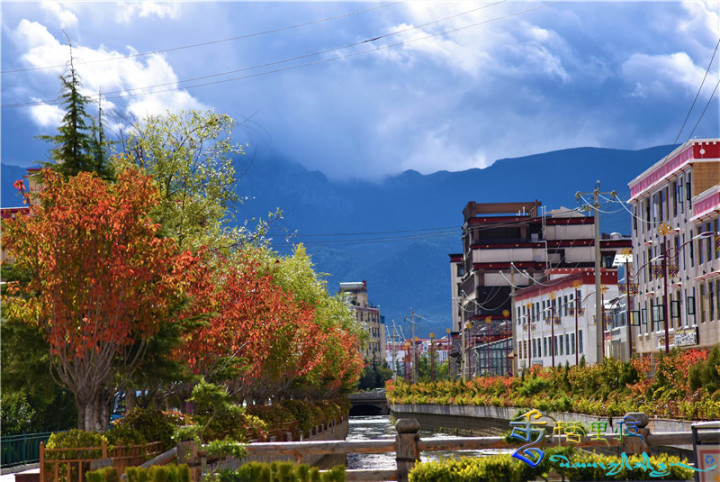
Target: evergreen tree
(79, 144)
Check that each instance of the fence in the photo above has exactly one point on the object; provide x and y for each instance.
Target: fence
(70, 464)
(22, 449)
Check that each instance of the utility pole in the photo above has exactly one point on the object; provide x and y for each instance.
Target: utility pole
(394, 351)
(599, 332)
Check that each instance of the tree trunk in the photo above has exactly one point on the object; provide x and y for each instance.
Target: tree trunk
(130, 399)
(93, 413)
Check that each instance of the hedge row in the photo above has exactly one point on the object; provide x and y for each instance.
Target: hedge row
(281, 472)
(156, 473)
(564, 462)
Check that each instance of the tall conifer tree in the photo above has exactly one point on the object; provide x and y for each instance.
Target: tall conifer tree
(79, 144)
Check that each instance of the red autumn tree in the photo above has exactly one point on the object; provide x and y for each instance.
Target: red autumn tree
(256, 337)
(101, 281)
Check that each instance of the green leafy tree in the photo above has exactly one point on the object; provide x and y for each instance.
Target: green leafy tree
(189, 156)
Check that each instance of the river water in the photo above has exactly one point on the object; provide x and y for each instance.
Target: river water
(380, 427)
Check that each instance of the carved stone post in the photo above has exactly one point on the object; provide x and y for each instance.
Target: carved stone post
(637, 445)
(406, 446)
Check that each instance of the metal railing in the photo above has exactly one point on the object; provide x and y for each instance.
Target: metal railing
(22, 449)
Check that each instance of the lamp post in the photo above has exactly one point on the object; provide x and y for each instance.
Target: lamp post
(448, 331)
(552, 326)
(469, 359)
(630, 290)
(603, 290)
(529, 346)
(664, 230)
(432, 357)
(506, 314)
(488, 320)
(577, 284)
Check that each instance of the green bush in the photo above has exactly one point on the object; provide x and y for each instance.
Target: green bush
(706, 374)
(563, 461)
(159, 473)
(144, 425)
(73, 439)
(107, 474)
(281, 472)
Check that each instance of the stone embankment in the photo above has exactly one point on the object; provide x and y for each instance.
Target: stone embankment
(471, 420)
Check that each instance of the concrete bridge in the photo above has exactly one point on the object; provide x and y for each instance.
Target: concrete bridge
(372, 402)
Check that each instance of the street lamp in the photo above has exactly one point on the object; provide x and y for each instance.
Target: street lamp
(432, 357)
(552, 297)
(578, 310)
(449, 345)
(664, 230)
(528, 306)
(488, 320)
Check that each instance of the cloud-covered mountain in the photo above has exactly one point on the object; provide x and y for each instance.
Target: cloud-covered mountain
(417, 217)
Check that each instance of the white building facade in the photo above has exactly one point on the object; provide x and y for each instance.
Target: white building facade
(675, 276)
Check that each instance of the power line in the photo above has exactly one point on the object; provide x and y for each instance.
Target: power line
(123, 93)
(707, 71)
(210, 42)
(370, 240)
(372, 232)
(705, 109)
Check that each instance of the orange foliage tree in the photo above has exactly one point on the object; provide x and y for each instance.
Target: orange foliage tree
(260, 339)
(255, 334)
(101, 284)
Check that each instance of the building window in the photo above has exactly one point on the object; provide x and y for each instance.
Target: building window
(567, 344)
(703, 304)
(674, 198)
(711, 301)
(580, 341)
(560, 337)
(545, 346)
(709, 243)
(680, 193)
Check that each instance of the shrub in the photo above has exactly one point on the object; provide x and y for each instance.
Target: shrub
(159, 473)
(77, 439)
(107, 474)
(561, 460)
(151, 424)
(281, 471)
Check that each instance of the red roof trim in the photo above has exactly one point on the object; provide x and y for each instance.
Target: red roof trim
(607, 277)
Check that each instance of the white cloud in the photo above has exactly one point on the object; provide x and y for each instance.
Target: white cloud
(106, 71)
(703, 16)
(475, 45)
(658, 75)
(45, 115)
(128, 11)
(65, 17)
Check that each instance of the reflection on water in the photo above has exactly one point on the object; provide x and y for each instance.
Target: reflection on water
(379, 427)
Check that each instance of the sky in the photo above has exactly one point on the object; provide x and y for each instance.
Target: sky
(367, 90)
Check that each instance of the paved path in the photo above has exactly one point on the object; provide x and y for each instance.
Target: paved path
(11, 477)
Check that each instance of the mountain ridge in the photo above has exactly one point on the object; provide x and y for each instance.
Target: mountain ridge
(412, 271)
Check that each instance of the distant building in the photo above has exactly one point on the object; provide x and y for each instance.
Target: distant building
(556, 319)
(369, 317)
(507, 244)
(32, 185)
(676, 229)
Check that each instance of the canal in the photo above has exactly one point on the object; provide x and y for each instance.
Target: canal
(373, 427)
